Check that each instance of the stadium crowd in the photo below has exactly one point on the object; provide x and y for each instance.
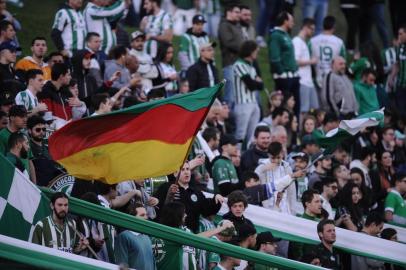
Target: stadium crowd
(245, 153)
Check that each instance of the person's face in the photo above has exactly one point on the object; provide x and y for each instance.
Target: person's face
(300, 163)
(263, 140)
(343, 172)
(276, 101)
(197, 28)
(10, 33)
(386, 159)
(376, 229)
(356, 178)
(74, 90)
(234, 14)
(237, 209)
(3, 122)
(270, 248)
(295, 124)
(252, 241)
(326, 163)
(231, 149)
(38, 132)
(284, 118)
(142, 213)
(276, 159)
(331, 125)
(76, 4)
(169, 55)
(252, 182)
(282, 138)
(37, 83)
(312, 149)
(290, 22)
(236, 158)
(55, 60)
(332, 190)
(207, 53)
(106, 106)
(19, 122)
(309, 126)
(224, 112)
(10, 56)
(216, 141)
(314, 206)
(60, 208)
(184, 176)
(388, 135)
(246, 16)
(149, 6)
(309, 30)
(355, 195)
(402, 186)
(39, 49)
(290, 103)
(402, 35)
(329, 234)
(138, 43)
(339, 66)
(342, 157)
(86, 63)
(213, 115)
(94, 43)
(24, 148)
(65, 79)
(369, 79)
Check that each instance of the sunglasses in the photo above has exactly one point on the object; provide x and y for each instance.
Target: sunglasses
(40, 129)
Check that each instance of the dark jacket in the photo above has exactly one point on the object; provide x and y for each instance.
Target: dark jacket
(87, 84)
(56, 100)
(249, 160)
(237, 221)
(198, 75)
(230, 37)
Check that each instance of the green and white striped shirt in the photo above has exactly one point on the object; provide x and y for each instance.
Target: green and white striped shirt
(72, 25)
(241, 92)
(98, 19)
(190, 45)
(27, 99)
(47, 233)
(156, 25)
(389, 58)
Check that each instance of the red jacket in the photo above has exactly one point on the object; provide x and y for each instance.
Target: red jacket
(56, 100)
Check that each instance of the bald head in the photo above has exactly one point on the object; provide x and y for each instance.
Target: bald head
(338, 65)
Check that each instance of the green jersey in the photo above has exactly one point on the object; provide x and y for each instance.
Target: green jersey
(401, 60)
(395, 203)
(223, 171)
(242, 94)
(282, 55)
(4, 135)
(357, 67)
(49, 234)
(205, 257)
(27, 99)
(367, 97)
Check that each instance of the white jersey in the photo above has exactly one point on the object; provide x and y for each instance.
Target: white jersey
(302, 53)
(325, 48)
(97, 20)
(72, 25)
(147, 69)
(156, 25)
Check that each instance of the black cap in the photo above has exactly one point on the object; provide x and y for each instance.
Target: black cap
(6, 97)
(228, 139)
(308, 139)
(245, 230)
(9, 45)
(266, 237)
(198, 19)
(17, 110)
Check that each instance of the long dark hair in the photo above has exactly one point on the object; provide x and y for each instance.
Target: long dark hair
(346, 201)
(172, 214)
(162, 50)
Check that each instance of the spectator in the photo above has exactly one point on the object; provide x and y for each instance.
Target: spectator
(366, 92)
(301, 162)
(247, 238)
(17, 122)
(53, 58)
(157, 26)
(365, 162)
(369, 57)
(323, 168)
(399, 153)
(315, 9)
(325, 251)
(7, 32)
(118, 54)
(275, 100)
(309, 146)
(167, 74)
(312, 204)
(228, 262)
(131, 248)
(97, 15)
(276, 171)
(262, 139)
(6, 15)
(47, 232)
(266, 243)
(69, 28)
(8, 55)
(373, 227)
(223, 171)
(308, 125)
(45, 168)
(146, 68)
(308, 95)
(231, 39)
(36, 61)
(342, 155)
(367, 201)
(3, 119)
(342, 174)
(248, 30)
(81, 110)
(395, 209)
(337, 94)
(246, 83)
(203, 73)
(349, 213)
(191, 42)
(382, 177)
(326, 47)
(282, 58)
(28, 98)
(19, 148)
(237, 203)
(279, 117)
(329, 192)
(387, 142)
(93, 45)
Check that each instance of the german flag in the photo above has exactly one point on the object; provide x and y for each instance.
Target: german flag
(147, 140)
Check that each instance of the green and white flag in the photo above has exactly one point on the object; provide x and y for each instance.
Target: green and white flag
(22, 204)
(347, 129)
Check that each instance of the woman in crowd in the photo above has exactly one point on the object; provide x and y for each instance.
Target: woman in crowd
(382, 177)
(167, 77)
(367, 200)
(349, 213)
(308, 125)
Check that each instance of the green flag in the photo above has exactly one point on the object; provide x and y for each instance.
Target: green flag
(347, 129)
(22, 204)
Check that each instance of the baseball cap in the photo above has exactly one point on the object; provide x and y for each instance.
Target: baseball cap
(228, 139)
(17, 110)
(9, 45)
(266, 237)
(399, 135)
(198, 19)
(245, 230)
(229, 232)
(137, 34)
(308, 139)
(6, 98)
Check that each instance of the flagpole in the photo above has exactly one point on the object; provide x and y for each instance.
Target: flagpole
(87, 245)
